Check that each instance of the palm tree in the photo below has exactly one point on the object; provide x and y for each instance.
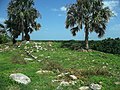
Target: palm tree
(90, 15)
(22, 18)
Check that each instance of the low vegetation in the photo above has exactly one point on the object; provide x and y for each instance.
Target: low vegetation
(88, 67)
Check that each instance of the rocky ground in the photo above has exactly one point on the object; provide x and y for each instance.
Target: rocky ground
(47, 66)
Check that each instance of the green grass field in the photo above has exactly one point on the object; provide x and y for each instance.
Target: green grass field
(89, 67)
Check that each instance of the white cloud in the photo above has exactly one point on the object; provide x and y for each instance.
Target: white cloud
(112, 4)
(115, 13)
(60, 11)
(63, 8)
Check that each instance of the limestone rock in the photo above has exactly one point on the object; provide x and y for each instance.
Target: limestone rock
(73, 77)
(95, 86)
(43, 71)
(117, 83)
(28, 59)
(64, 83)
(84, 88)
(20, 78)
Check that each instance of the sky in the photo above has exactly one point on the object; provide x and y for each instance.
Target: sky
(53, 20)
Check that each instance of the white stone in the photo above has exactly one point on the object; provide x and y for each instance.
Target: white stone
(117, 83)
(95, 86)
(56, 80)
(19, 46)
(84, 88)
(25, 47)
(73, 77)
(27, 42)
(39, 60)
(64, 83)
(63, 74)
(34, 56)
(20, 78)
(72, 82)
(7, 47)
(43, 71)
(28, 59)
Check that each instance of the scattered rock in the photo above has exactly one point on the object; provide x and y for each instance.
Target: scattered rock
(84, 88)
(117, 83)
(27, 42)
(28, 59)
(73, 77)
(95, 86)
(34, 57)
(20, 78)
(72, 82)
(39, 60)
(19, 46)
(64, 83)
(25, 47)
(63, 74)
(7, 47)
(56, 80)
(29, 54)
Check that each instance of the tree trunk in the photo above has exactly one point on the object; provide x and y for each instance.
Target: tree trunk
(22, 36)
(22, 30)
(86, 39)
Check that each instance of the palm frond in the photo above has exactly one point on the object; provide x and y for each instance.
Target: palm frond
(74, 30)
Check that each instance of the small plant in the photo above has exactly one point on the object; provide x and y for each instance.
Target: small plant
(51, 66)
(95, 71)
(17, 59)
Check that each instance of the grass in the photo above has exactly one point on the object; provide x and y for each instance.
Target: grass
(89, 67)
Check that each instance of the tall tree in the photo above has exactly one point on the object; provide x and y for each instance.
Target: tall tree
(22, 18)
(90, 15)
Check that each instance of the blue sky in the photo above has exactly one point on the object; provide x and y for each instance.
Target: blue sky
(53, 20)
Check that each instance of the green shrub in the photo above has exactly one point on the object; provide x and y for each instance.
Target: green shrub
(107, 45)
(4, 38)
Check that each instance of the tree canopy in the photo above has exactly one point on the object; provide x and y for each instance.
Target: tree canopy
(22, 18)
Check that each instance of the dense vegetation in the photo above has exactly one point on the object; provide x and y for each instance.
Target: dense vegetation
(4, 38)
(106, 45)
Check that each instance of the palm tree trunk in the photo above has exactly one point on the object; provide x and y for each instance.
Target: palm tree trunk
(86, 39)
(22, 30)
(22, 36)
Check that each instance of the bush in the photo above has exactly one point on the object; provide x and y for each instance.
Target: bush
(107, 45)
(4, 38)
(73, 45)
